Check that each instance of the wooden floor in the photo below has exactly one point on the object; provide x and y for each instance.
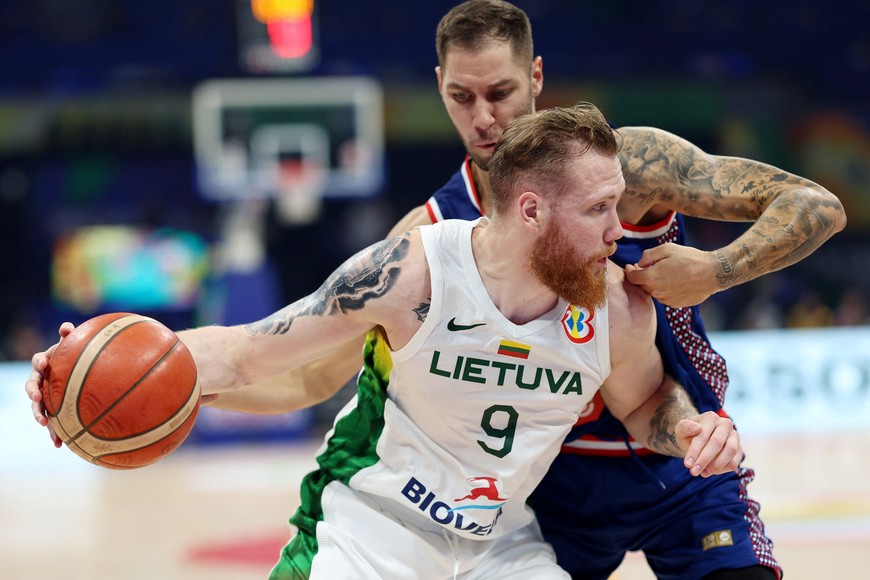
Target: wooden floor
(220, 512)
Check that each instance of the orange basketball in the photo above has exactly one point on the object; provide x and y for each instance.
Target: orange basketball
(121, 391)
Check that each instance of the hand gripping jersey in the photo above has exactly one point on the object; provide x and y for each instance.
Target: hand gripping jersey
(681, 338)
(462, 423)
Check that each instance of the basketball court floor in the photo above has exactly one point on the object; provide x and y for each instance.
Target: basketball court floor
(220, 512)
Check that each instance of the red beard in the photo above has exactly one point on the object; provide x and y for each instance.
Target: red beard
(556, 264)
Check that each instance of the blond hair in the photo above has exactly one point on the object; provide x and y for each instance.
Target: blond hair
(537, 148)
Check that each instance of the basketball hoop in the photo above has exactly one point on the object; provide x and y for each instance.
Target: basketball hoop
(244, 128)
(299, 198)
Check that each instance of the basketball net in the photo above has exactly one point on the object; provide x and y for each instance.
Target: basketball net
(300, 191)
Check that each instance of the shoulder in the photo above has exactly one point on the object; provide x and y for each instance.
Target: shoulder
(384, 268)
(388, 276)
(404, 251)
(630, 309)
(402, 262)
(412, 268)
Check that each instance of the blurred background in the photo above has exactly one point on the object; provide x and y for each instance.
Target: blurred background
(209, 162)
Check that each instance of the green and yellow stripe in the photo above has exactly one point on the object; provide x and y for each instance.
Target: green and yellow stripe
(514, 349)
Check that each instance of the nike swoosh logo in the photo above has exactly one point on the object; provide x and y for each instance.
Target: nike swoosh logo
(453, 327)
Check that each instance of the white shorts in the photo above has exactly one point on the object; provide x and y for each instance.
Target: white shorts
(360, 537)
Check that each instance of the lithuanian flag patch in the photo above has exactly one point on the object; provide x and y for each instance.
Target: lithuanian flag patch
(514, 349)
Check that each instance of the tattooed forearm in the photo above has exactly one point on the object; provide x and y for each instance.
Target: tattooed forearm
(664, 443)
(748, 256)
(725, 276)
(789, 231)
(662, 168)
(792, 216)
(276, 323)
(672, 409)
(368, 275)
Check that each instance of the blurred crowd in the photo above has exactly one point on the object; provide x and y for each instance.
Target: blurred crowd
(766, 307)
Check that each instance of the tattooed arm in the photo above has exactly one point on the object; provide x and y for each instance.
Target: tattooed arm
(654, 408)
(321, 379)
(381, 285)
(792, 216)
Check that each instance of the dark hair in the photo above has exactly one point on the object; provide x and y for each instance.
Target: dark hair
(474, 24)
(536, 148)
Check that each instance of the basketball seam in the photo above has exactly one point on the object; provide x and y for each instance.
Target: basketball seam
(118, 400)
(68, 407)
(105, 345)
(91, 444)
(100, 457)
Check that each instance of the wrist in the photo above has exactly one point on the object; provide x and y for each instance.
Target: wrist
(725, 270)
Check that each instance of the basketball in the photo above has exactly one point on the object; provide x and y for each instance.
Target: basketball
(121, 391)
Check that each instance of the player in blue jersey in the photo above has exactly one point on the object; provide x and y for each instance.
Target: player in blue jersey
(607, 494)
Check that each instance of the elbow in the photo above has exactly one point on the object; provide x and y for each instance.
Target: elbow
(840, 221)
(831, 210)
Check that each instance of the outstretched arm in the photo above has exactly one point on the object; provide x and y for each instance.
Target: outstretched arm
(367, 290)
(792, 216)
(317, 381)
(375, 287)
(300, 388)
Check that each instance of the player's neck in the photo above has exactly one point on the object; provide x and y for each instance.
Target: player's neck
(480, 177)
(506, 275)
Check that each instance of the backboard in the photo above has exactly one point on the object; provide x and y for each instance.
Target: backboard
(247, 132)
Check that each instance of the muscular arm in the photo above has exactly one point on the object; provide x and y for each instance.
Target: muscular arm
(791, 216)
(369, 289)
(299, 388)
(654, 408)
(318, 380)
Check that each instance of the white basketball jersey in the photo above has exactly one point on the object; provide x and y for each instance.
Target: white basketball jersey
(474, 408)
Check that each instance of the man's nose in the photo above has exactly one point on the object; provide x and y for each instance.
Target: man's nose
(483, 116)
(614, 229)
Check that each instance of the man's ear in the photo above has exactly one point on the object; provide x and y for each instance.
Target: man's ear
(440, 79)
(537, 76)
(530, 208)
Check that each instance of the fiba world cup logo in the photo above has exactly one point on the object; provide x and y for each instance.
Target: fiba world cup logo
(577, 323)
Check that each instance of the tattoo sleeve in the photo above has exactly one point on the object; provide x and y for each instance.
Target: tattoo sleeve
(368, 275)
(792, 216)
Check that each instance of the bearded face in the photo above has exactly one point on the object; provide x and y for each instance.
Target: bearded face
(561, 268)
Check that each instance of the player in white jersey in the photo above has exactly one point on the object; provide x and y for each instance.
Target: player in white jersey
(452, 430)
(499, 396)
(477, 423)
